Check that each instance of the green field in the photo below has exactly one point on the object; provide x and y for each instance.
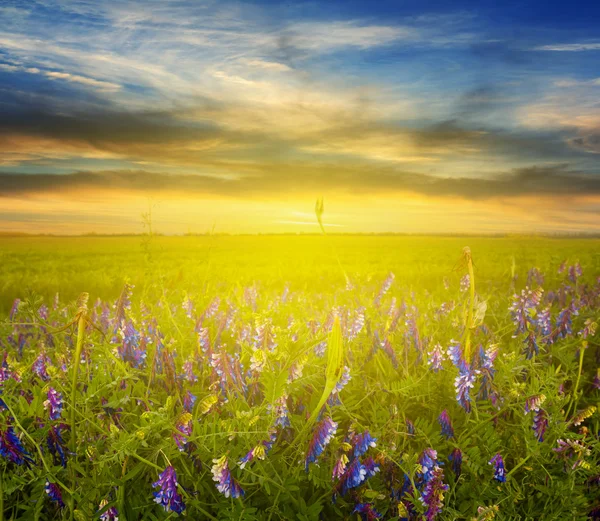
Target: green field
(100, 265)
(300, 378)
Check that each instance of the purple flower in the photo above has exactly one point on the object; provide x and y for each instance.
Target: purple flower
(324, 431)
(432, 495)
(456, 356)
(40, 368)
(564, 321)
(56, 444)
(436, 357)
(533, 402)
(260, 451)
(188, 371)
(188, 401)
(362, 442)
(54, 403)
(463, 383)
(54, 493)
(446, 424)
(523, 309)
(340, 467)
(281, 412)
(456, 458)
(111, 514)
(371, 467)
(540, 423)
(465, 283)
(354, 475)
(226, 485)
(499, 470)
(183, 428)
(387, 283)
(12, 448)
(133, 346)
(167, 495)
(428, 461)
(14, 309)
(410, 427)
(366, 511)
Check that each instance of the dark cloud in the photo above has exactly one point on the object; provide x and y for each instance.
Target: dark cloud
(535, 181)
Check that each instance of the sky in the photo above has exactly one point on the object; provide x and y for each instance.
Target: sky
(405, 116)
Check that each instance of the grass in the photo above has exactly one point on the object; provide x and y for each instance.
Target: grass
(260, 330)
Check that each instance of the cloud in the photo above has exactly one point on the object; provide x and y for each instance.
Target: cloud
(104, 86)
(538, 181)
(569, 47)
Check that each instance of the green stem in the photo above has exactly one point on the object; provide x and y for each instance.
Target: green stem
(1, 499)
(574, 399)
(81, 323)
(469, 323)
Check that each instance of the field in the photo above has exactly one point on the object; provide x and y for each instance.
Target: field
(300, 377)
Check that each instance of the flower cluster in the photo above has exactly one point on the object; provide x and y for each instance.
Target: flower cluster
(446, 424)
(226, 484)
(499, 470)
(12, 449)
(324, 431)
(54, 403)
(54, 493)
(167, 495)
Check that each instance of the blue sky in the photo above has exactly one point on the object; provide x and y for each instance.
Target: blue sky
(394, 111)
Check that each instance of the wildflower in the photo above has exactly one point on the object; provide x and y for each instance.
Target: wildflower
(54, 493)
(371, 467)
(432, 495)
(446, 424)
(281, 412)
(540, 423)
(54, 403)
(499, 470)
(583, 415)
(362, 442)
(523, 309)
(456, 457)
(56, 444)
(188, 401)
(387, 283)
(354, 475)
(324, 431)
(533, 402)
(110, 514)
(260, 451)
(167, 495)
(342, 382)
(356, 326)
(410, 427)
(40, 368)
(226, 484)
(12, 448)
(463, 383)
(572, 448)
(575, 272)
(465, 283)
(456, 356)
(428, 461)
(436, 357)
(133, 346)
(486, 389)
(366, 511)
(183, 428)
(340, 467)
(487, 513)
(564, 321)
(544, 323)
(589, 328)
(188, 307)
(188, 371)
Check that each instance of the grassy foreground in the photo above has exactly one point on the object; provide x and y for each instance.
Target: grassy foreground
(258, 378)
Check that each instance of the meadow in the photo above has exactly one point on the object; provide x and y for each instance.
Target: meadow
(299, 377)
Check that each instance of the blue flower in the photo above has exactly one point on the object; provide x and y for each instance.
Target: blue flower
(499, 470)
(54, 493)
(226, 485)
(12, 448)
(362, 442)
(323, 433)
(167, 495)
(446, 424)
